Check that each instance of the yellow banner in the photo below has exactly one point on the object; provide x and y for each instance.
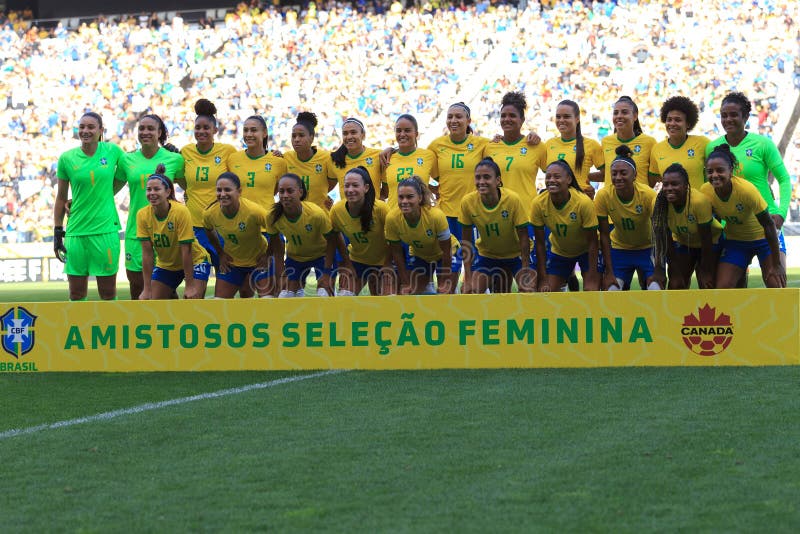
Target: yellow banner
(642, 328)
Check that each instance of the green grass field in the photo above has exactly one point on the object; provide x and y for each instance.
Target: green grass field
(602, 450)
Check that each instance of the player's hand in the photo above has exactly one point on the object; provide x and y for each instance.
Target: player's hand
(171, 147)
(778, 220)
(192, 291)
(776, 277)
(526, 280)
(277, 153)
(386, 156)
(68, 206)
(225, 261)
(589, 190)
(145, 294)
(533, 139)
(58, 244)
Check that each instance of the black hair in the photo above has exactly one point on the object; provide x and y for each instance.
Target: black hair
(637, 127)
(517, 100)
(685, 106)
(369, 197)
(580, 151)
(98, 118)
(164, 179)
(260, 119)
(624, 153)
(277, 209)
(416, 183)
(162, 137)
(723, 151)
(660, 217)
(339, 156)
(465, 107)
(489, 162)
(307, 120)
(206, 108)
(564, 165)
(232, 177)
(408, 118)
(739, 98)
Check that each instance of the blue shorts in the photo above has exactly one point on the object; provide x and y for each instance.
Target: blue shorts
(563, 267)
(533, 244)
(491, 266)
(740, 253)
(299, 270)
(627, 262)
(458, 231)
(174, 278)
(236, 276)
(202, 238)
(781, 242)
(363, 270)
(418, 265)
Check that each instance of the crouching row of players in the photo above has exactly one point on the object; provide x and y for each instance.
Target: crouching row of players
(628, 228)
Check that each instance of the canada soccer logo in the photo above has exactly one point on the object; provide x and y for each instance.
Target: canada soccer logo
(18, 332)
(707, 334)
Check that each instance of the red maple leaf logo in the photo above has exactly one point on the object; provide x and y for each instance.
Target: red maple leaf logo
(706, 316)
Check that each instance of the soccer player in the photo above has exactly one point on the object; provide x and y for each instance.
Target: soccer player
(570, 215)
(409, 160)
(579, 152)
(628, 205)
(352, 153)
(361, 218)
(313, 165)
(243, 248)
(686, 236)
(170, 254)
(204, 162)
(503, 246)
(628, 132)
(135, 168)
(311, 242)
(424, 229)
(90, 245)
(757, 156)
(749, 228)
(259, 170)
(679, 115)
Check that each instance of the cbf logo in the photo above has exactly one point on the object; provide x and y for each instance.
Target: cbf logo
(523, 150)
(420, 161)
(170, 226)
(637, 149)
(242, 227)
(428, 233)
(217, 160)
(504, 214)
(639, 209)
(739, 207)
(103, 162)
(18, 332)
(690, 152)
(308, 228)
(573, 216)
(369, 161)
(749, 152)
(691, 218)
(268, 167)
(318, 168)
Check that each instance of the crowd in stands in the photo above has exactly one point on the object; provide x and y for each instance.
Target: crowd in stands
(375, 65)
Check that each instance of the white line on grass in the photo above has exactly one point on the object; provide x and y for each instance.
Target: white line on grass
(105, 416)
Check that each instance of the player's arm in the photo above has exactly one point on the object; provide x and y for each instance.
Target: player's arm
(605, 248)
(707, 267)
(541, 254)
(396, 252)
(778, 170)
(467, 255)
(147, 268)
(443, 276)
(524, 282)
(776, 272)
(591, 280)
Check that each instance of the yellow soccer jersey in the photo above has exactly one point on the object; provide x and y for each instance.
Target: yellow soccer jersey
(421, 162)
(423, 237)
(564, 149)
(370, 160)
(683, 223)
(641, 146)
(691, 155)
(456, 163)
(242, 232)
(258, 176)
(201, 170)
(519, 166)
(315, 173)
(631, 220)
(566, 223)
(739, 210)
(305, 236)
(168, 234)
(365, 247)
(497, 226)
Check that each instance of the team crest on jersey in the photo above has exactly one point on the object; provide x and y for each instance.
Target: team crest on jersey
(420, 161)
(639, 209)
(268, 167)
(691, 218)
(429, 232)
(470, 146)
(309, 228)
(523, 150)
(369, 161)
(217, 160)
(739, 207)
(170, 226)
(18, 332)
(242, 226)
(504, 214)
(128, 256)
(749, 152)
(318, 167)
(637, 148)
(573, 216)
(690, 152)
(103, 162)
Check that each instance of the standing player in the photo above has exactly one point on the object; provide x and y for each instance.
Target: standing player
(628, 132)
(628, 204)
(579, 152)
(204, 162)
(757, 157)
(423, 228)
(313, 165)
(503, 246)
(170, 253)
(90, 245)
(679, 114)
(361, 218)
(243, 248)
(409, 160)
(570, 215)
(686, 236)
(352, 153)
(135, 168)
(311, 242)
(749, 229)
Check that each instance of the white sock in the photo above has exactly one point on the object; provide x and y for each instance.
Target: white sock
(321, 292)
(266, 297)
(653, 286)
(286, 294)
(614, 287)
(430, 288)
(300, 293)
(345, 293)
